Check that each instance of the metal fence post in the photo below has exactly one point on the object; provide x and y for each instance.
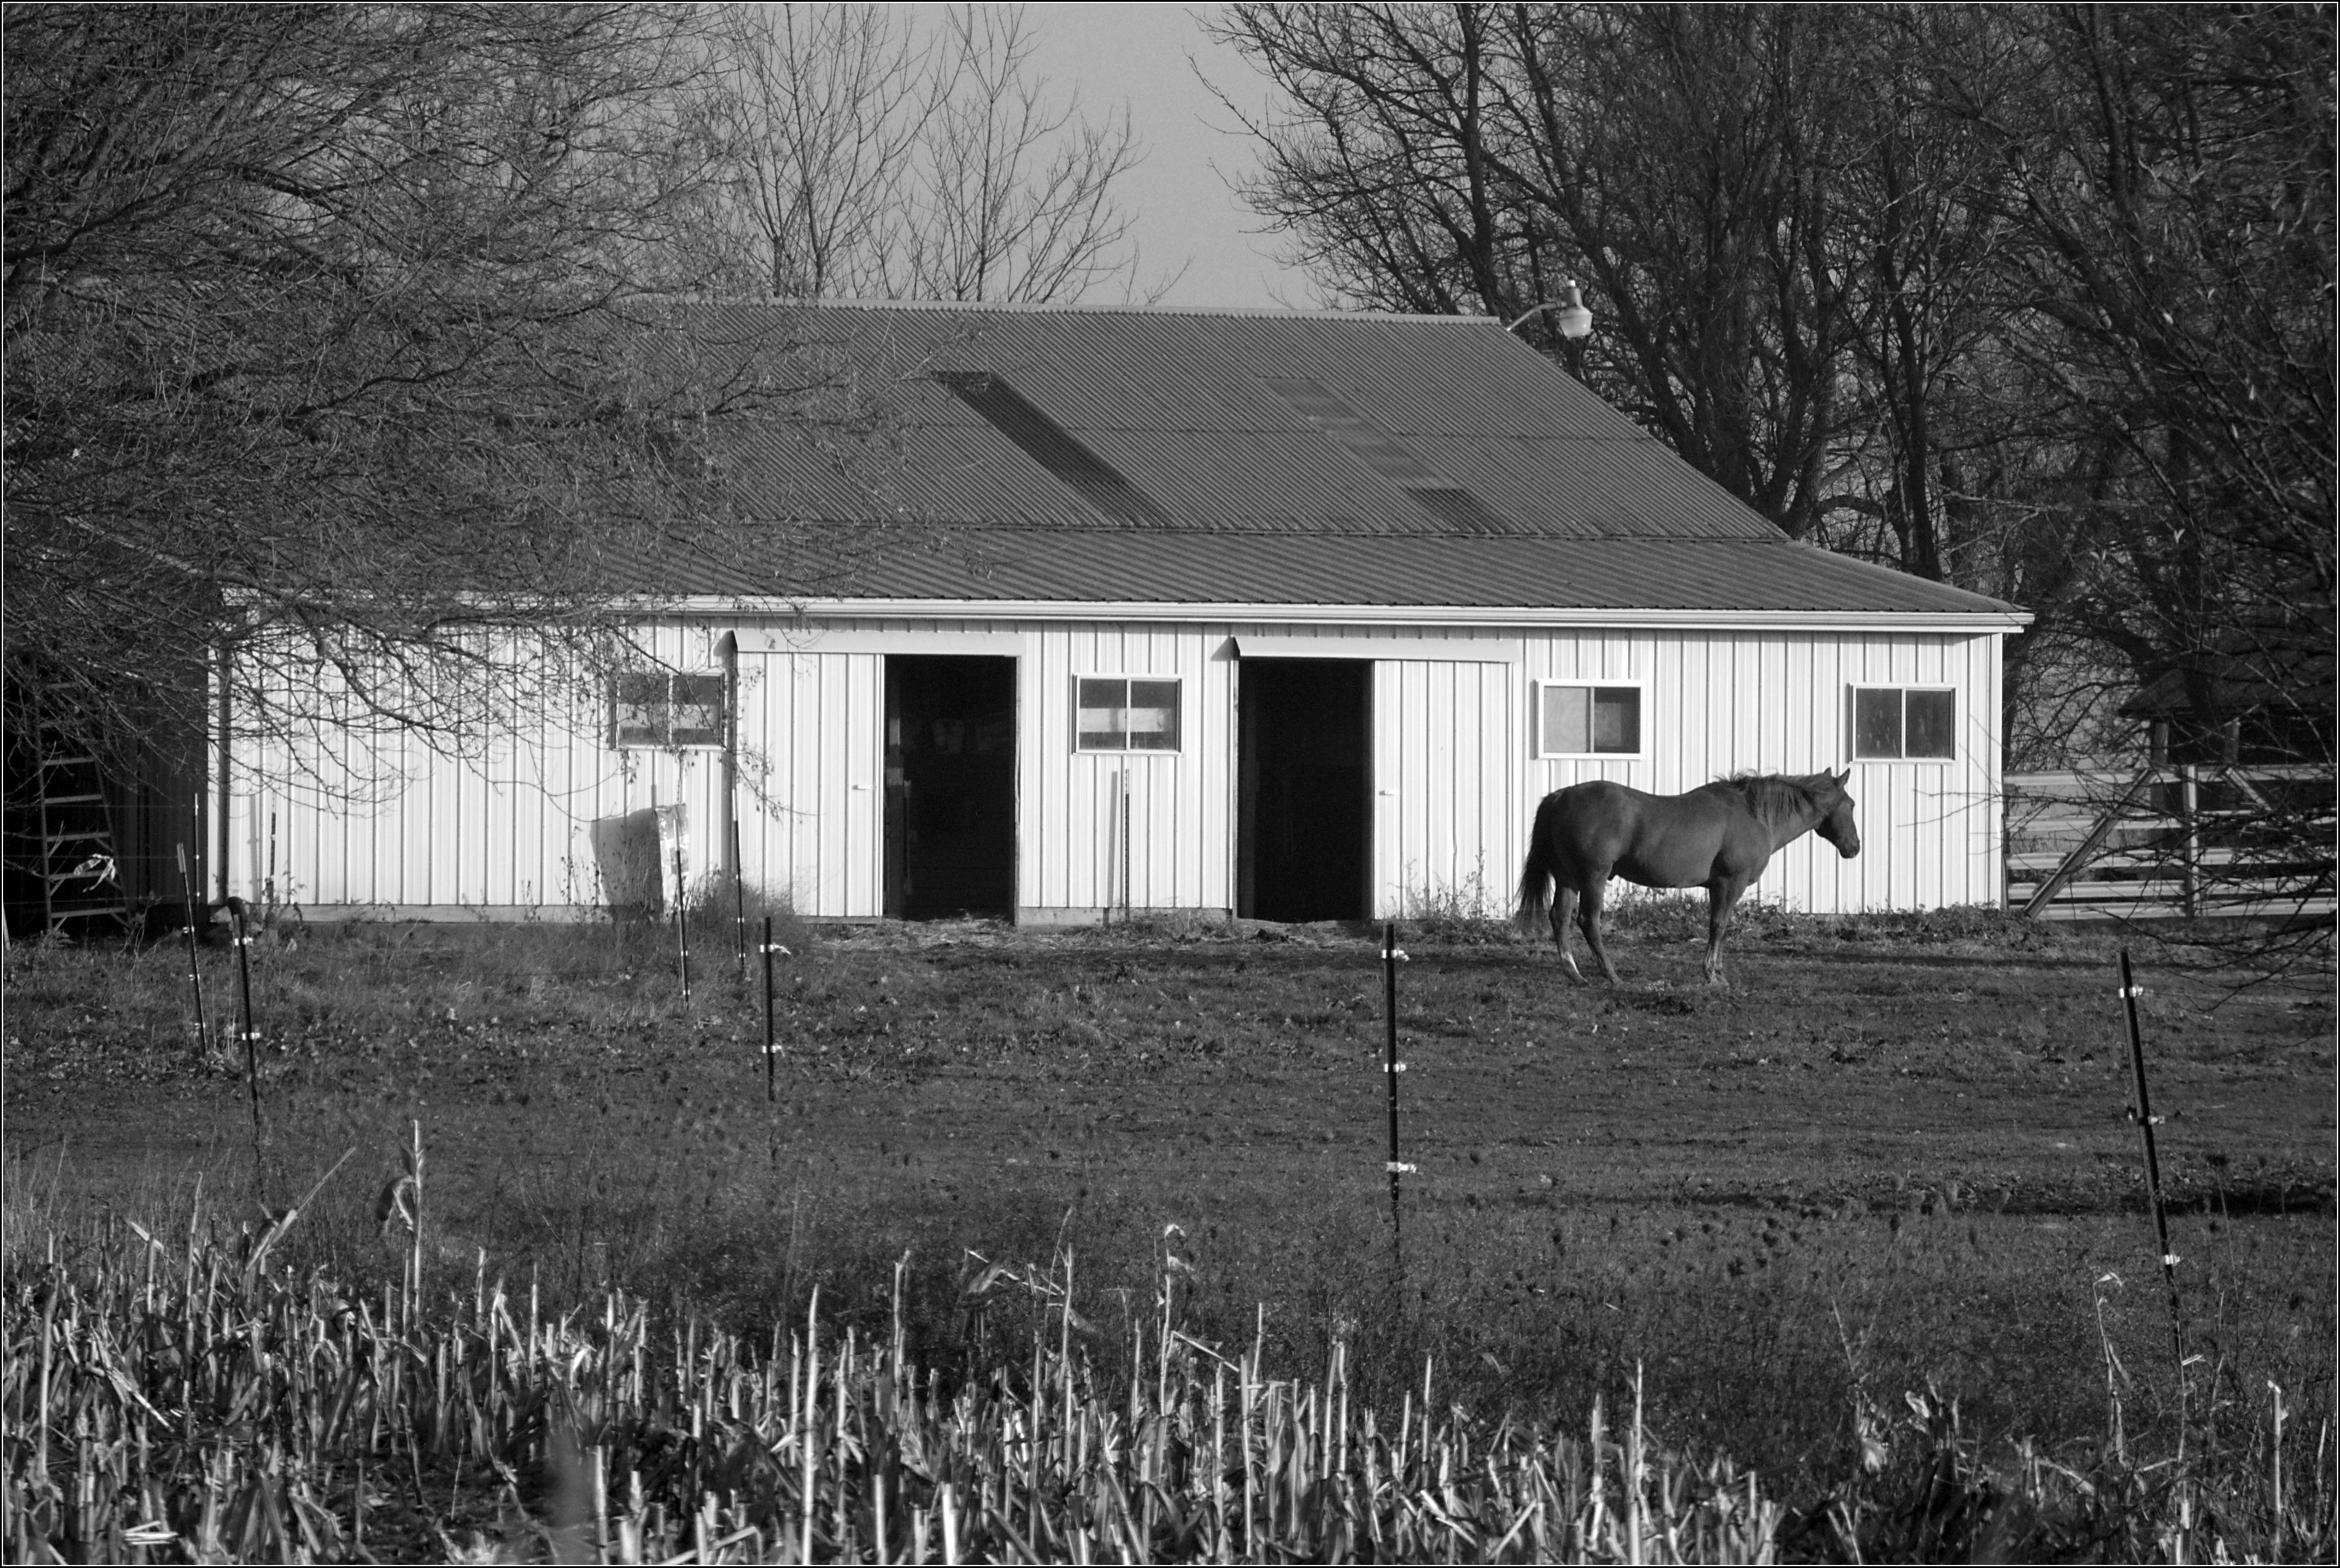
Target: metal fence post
(1392, 956)
(2142, 1111)
(771, 1089)
(194, 956)
(250, 1035)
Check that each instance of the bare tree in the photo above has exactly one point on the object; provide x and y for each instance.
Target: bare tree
(2172, 176)
(325, 333)
(872, 156)
(822, 111)
(1684, 161)
(2036, 300)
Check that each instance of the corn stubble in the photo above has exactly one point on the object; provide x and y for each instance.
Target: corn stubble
(169, 1404)
(166, 1403)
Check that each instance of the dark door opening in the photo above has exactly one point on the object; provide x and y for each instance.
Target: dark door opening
(1303, 819)
(950, 787)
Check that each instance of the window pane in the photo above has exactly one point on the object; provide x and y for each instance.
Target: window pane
(1567, 728)
(1103, 723)
(1877, 724)
(1617, 719)
(1153, 715)
(641, 710)
(1933, 729)
(698, 711)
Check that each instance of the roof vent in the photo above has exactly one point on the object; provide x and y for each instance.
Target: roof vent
(1382, 452)
(1052, 447)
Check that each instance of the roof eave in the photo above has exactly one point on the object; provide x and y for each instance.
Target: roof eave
(1519, 616)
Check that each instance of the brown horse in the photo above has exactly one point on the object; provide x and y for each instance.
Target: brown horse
(1719, 837)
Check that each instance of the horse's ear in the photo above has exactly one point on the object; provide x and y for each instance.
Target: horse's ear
(1844, 778)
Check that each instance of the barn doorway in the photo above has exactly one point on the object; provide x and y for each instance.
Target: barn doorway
(950, 787)
(1304, 818)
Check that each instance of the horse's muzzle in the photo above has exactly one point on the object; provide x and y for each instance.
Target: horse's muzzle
(1848, 850)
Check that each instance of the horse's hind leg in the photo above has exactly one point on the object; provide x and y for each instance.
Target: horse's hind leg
(1588, 921)
(1563, 910)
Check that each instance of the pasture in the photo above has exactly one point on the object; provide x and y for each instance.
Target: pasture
(1892, 1157)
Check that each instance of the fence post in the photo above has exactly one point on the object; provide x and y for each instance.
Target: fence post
(194, 954)
(771, 1090)
(1392, 956)
(250, 1035)
(2143, 1113)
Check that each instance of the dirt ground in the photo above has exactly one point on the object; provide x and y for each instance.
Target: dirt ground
(1865, 1068)
(1919, 1127)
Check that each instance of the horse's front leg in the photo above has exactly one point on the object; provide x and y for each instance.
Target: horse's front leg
(1563, 910)
(1588, 921)
(1721, 898)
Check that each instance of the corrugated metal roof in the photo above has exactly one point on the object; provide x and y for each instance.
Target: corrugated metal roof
(1246, 499)
(1070, 566)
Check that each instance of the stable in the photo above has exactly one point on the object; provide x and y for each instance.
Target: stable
(1285, 615)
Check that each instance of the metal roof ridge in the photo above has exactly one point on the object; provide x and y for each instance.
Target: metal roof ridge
(1251, 532)
(1005, 308)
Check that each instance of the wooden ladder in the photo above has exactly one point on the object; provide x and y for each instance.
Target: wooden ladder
(73, 848)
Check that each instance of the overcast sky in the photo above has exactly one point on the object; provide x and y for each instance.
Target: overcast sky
(1146, 56)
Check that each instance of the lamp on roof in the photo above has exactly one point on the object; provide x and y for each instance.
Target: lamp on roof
(1570, 317)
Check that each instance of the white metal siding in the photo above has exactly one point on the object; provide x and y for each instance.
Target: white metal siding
(385, 823)
(1455, 778)
(1447, 828)
(1721, 703)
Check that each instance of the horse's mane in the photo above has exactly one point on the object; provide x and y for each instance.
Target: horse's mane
(1771, 796)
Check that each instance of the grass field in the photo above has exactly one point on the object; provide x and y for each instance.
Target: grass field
(1893, 1156)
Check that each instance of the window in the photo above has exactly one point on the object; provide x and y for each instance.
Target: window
(1913, 723)
(1582, 720)
(659, 708)
(1128, 714)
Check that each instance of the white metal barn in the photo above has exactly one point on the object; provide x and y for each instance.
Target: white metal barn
(1289, 616)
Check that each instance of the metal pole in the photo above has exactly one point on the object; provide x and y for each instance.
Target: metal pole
(771, 1089)
(1125, 845)
(250, 1035)
(1392, 956)
(194, 956)
(2142, 1111)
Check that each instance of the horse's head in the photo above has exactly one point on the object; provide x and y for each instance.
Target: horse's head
(1838, 826)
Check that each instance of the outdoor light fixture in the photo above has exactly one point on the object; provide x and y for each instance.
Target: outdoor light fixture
(1574, 322)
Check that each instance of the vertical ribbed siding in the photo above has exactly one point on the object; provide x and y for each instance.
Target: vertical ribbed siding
(812, 798)
(385, 821)
(1448, 827)
(1070, 801)
(1721, 703)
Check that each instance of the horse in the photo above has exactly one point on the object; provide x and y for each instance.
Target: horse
(1719, 837)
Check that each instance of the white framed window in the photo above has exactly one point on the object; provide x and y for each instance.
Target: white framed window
(664, 708)
(1904, 723)
(1592, 719)
(1128, 713)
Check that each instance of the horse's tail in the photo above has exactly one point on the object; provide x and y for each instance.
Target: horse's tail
(1536, 876)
